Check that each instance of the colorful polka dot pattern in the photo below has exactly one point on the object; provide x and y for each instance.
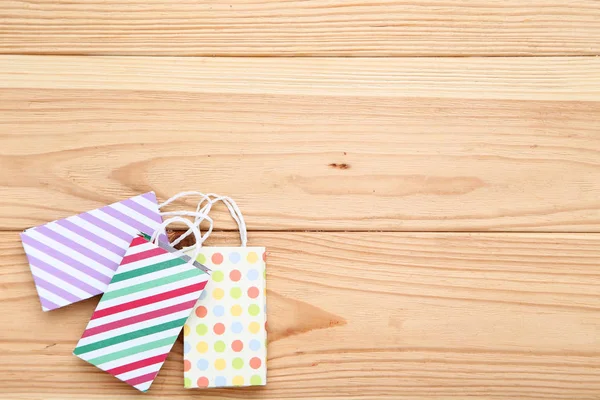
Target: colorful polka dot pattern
(225, 337)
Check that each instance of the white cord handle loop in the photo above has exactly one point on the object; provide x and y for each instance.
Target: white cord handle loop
(199, 217)
(193, 227)
(236, 214)
(202, 212)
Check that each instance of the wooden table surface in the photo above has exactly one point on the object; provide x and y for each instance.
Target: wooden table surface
(425, 175)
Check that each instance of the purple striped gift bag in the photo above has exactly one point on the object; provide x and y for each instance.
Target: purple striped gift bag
(75, 258)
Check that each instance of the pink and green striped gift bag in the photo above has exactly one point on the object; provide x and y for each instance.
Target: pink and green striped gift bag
(142, 312)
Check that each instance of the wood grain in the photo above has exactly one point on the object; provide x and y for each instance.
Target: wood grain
(306, 28)
(506, 144)
(363, 316)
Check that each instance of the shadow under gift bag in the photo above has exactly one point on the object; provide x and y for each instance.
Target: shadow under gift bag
(225, 337)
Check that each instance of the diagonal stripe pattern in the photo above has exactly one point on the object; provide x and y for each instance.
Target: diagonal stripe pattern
(75, 258)
(141, 313)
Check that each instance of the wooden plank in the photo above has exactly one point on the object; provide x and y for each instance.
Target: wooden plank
(308, 144)
(363, 315)
(313, 28)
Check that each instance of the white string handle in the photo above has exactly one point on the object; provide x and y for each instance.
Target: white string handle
(199, 217)
(193, 227)
(235, 212)
(203, 211)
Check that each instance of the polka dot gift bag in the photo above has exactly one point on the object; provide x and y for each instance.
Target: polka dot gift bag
(225, 336)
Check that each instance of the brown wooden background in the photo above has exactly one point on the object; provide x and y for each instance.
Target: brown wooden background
(424, 174)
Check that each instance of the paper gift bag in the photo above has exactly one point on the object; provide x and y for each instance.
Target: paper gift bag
(73, 259)
(225, 337)
(142, 312)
